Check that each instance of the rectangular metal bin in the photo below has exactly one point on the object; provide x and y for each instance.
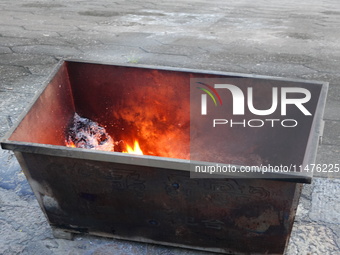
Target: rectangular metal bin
(150, 198)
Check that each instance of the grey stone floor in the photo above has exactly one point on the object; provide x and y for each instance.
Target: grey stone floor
(285, 38)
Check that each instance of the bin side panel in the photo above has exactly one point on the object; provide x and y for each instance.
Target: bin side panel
(163, 205)
(50, 114)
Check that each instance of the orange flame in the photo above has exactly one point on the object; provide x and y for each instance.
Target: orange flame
(135, 150)
(70, 144)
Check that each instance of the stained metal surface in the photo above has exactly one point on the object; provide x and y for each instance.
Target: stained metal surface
(49, 115)
(150, 198)
(163, 205)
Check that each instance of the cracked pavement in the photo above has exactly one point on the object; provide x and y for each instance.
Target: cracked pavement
(286, 38)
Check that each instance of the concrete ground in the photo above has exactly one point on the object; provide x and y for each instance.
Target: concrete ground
(286, 38)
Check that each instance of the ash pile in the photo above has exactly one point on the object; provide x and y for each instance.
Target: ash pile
(87, 134)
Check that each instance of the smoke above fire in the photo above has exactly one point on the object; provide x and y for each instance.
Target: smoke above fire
(157, 116)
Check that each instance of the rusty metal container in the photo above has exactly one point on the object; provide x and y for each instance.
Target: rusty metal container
(149, 198)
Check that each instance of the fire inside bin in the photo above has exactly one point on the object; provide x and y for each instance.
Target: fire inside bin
(87, 134)
(105, 110)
